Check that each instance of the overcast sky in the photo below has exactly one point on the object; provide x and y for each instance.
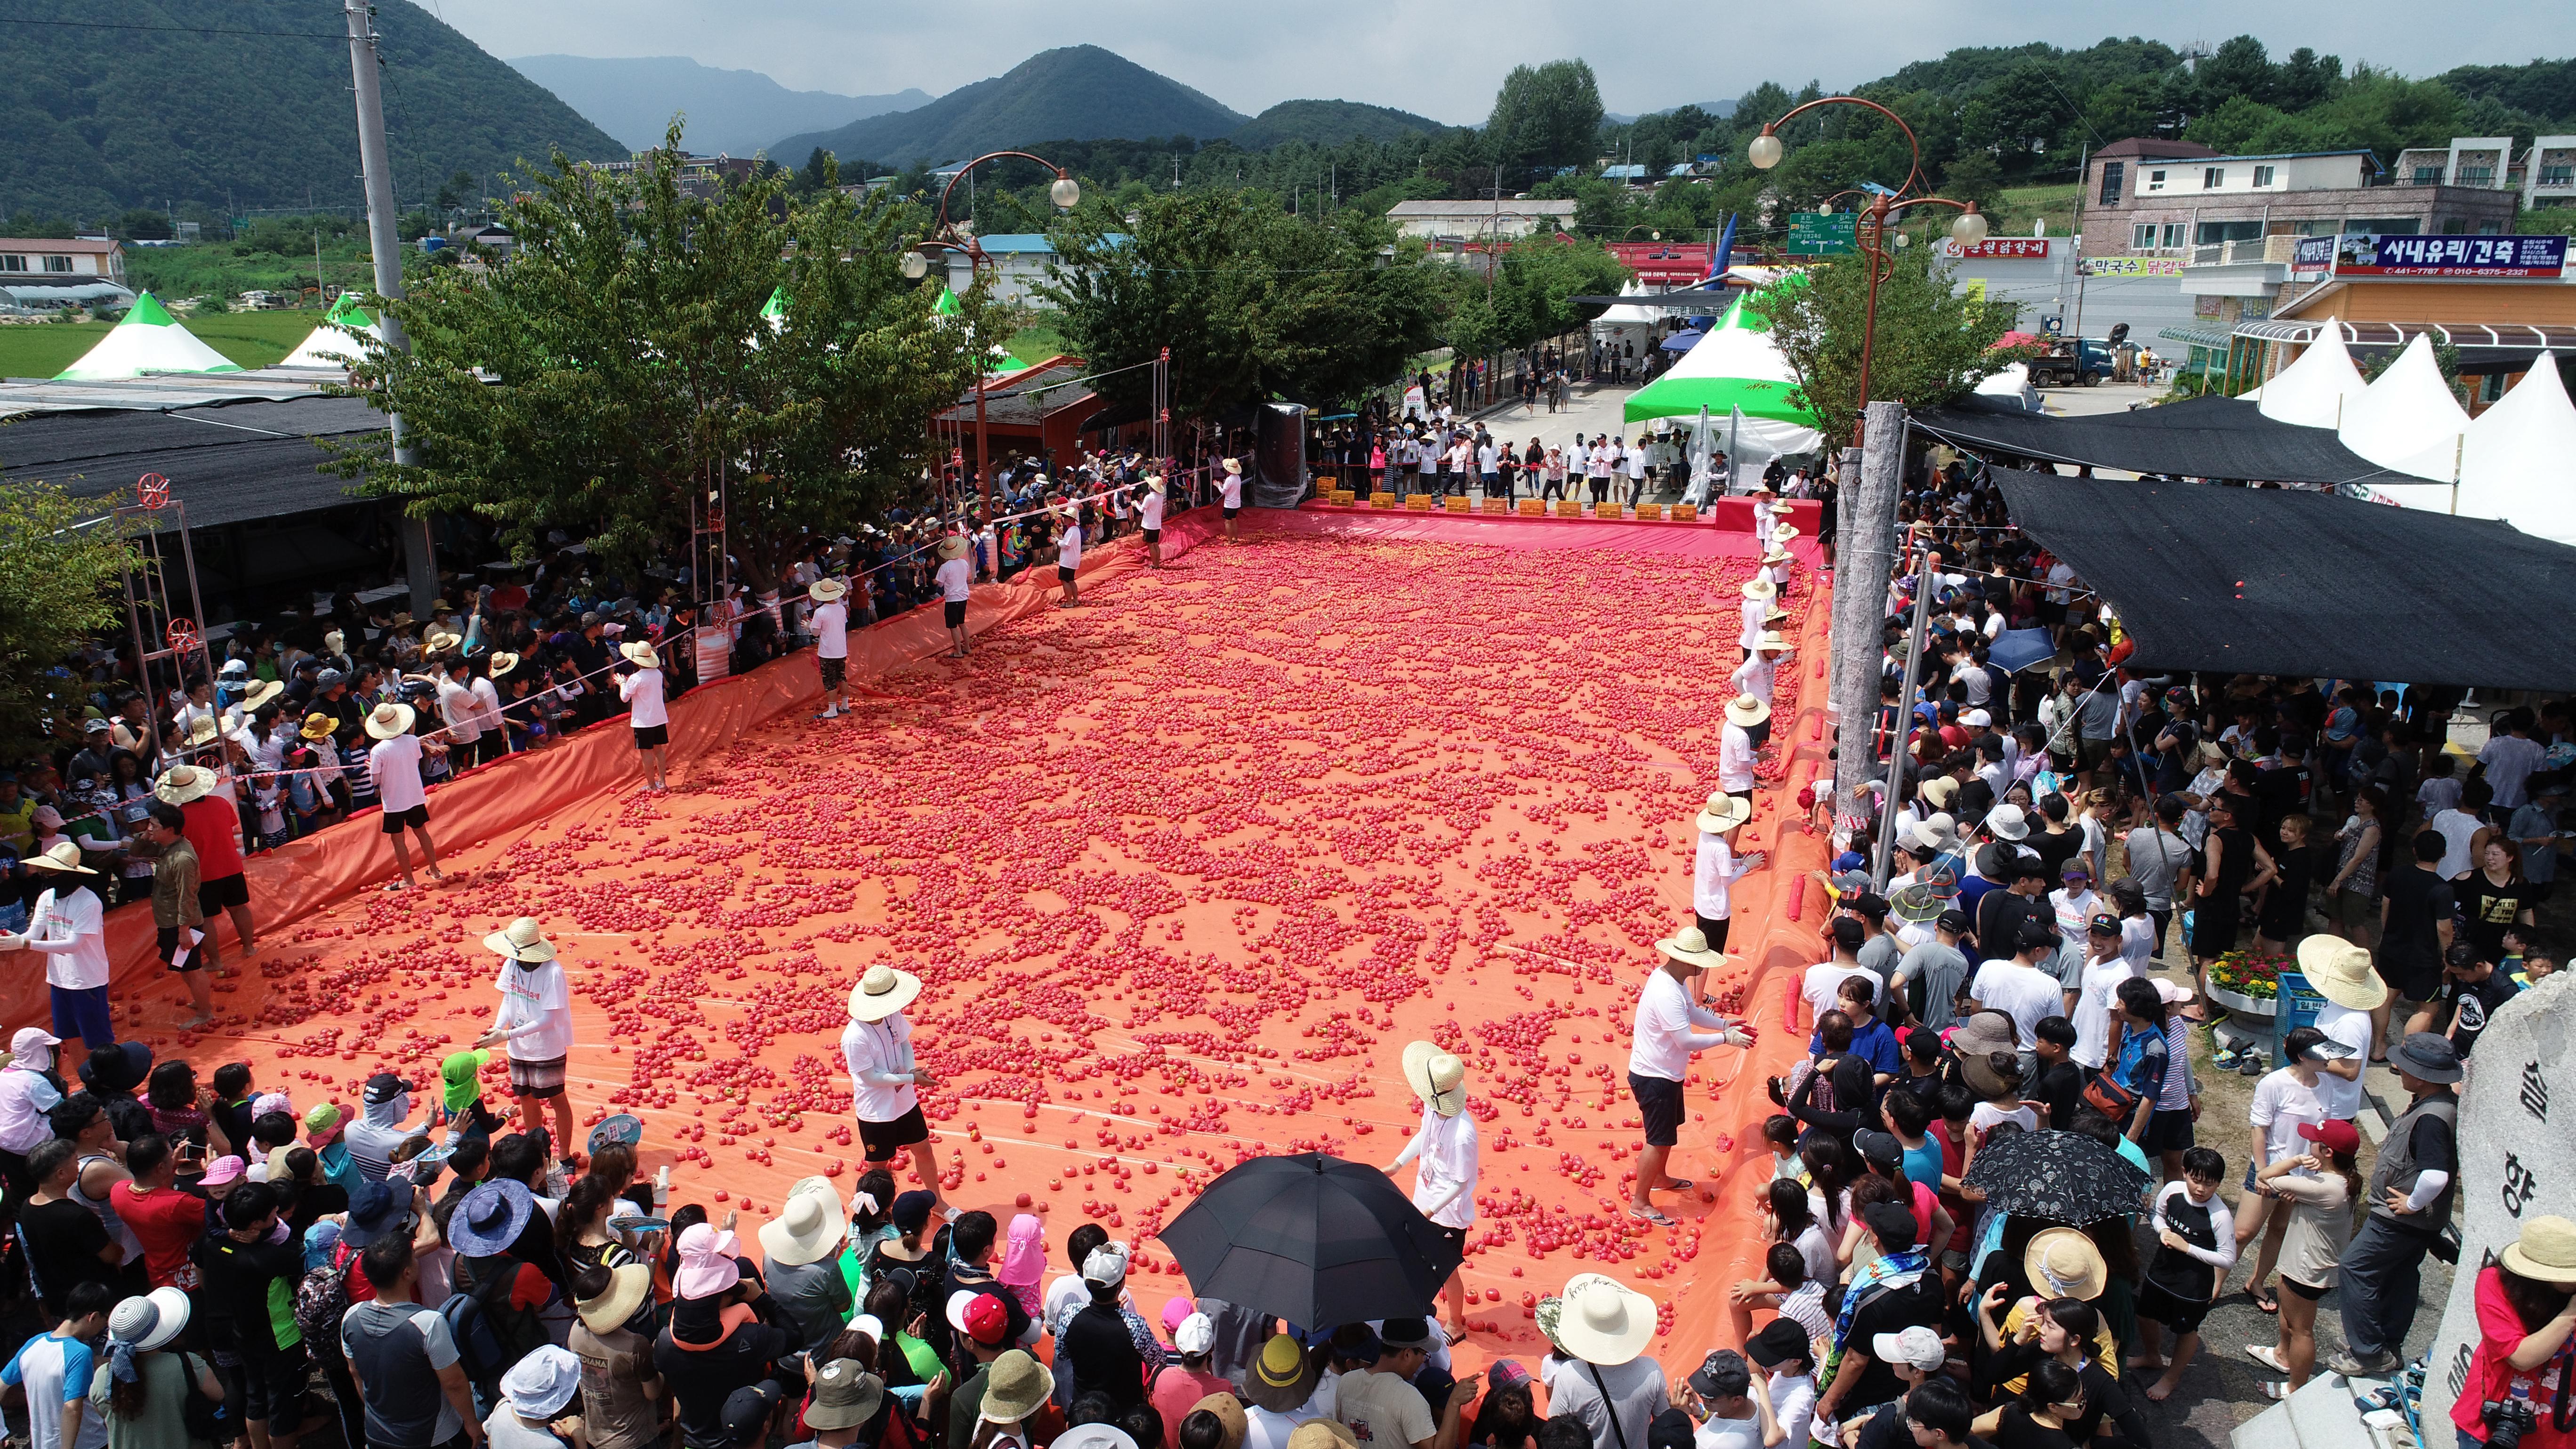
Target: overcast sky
(1444, 61)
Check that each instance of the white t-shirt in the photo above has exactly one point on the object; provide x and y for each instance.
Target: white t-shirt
(1233, 490)
(642, 691)
(831, 630)
(538, 999)
(2510, 759)
(879, 1048)
(1149, 509)
(1665, 1018)
(2352, 1029)
(2026, 994)
(2458, 828)
(1712, 874)
(2281, 1103)
(1735, 758)
(395, 766)
(1822, 986)
(1446, 1157)
(457, 706)
(2099, 996)
(1986, 1116)
(956, 579)
(1068, 547)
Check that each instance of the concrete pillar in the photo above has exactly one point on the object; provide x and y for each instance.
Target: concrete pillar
(1864, 552)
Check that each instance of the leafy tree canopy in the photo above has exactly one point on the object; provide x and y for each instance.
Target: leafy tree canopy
(59, 588)
(1930, 345)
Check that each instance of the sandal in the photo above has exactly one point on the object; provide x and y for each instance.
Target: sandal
(1651, 1215)
(2264, 1302)
(2267, 1355)
(2276, 1389)
(1675, 1184)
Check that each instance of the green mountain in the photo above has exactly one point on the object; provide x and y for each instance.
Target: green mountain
(1079, 93)
(1330, 123)
(239, 106)
(732, 111)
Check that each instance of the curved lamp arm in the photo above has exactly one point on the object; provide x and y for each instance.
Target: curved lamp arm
(1064, 193)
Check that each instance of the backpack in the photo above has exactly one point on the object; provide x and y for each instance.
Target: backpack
(323, 1296)
(479, 1349)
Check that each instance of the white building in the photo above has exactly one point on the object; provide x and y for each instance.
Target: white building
(1462, 221)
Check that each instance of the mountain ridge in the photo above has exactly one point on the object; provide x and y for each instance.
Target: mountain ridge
(735, 111)
(1078, 92)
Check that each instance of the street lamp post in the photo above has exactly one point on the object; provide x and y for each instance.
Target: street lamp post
(1066, 193)
(1968, 230)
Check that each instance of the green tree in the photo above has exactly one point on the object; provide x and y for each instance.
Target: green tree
(58, 589)
(1974, 176)
(1930, 344)
(458, 191)
(1547, 115)
(2239, 67)
(627, 364)
(821, 172)
(1252, 302)
(1535, 287)
(2306, 79)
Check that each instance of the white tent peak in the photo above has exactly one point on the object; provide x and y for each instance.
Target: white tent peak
(2320, 389)
(329, 344)
(2408, 421)
(149, 340)
(2518, 463)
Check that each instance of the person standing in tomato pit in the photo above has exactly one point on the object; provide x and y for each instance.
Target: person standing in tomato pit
(876, 1048)
(214, 832)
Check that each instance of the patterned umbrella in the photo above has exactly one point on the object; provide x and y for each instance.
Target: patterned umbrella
(2057, 1177)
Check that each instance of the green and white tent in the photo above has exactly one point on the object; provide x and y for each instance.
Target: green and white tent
(946, 306)
(328, 345)
(774, 311)
(1735, 367)
(148, 340)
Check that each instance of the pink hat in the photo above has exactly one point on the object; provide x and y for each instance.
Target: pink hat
(1177, 1312)
(707, 1265)
(223, 1172)
(1024, 1263)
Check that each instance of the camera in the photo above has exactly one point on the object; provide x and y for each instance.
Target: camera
(2507, 1421)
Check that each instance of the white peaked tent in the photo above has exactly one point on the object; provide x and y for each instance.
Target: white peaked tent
(2012, 382)
(2408, 421)
(329, 346)
(2320, 390)
(2518, 464)
(148, 340)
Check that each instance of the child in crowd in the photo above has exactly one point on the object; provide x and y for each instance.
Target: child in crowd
(2195, 1248)
(461, 1097)
(2059, 1087)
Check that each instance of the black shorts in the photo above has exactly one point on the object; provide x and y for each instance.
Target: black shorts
(1153, 535)
(954, 611)
(417, 817)
(882, 1140)
(2167, 1131)
(2293, 1285)
(2170, 1309)
(1714, 930)
(652, 737)
(1232, 512)
(167, 939)
(272, 1387)
(1659, 1103)
(834, 671)
(1063, 575)
(221, 893)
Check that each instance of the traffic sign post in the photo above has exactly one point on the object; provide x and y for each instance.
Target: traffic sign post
(1815, 235)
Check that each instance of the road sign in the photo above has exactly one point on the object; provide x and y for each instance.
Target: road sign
(1811, 235)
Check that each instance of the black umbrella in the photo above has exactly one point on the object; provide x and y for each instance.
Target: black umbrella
(1313, 1239)
(2058, 1177)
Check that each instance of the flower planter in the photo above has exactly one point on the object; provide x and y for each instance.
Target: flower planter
(2243, 1005)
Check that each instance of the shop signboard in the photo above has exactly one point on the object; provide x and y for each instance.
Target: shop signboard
(2469, 257)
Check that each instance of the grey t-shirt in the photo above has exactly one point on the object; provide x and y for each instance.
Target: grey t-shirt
(399, 1349)
(1880, 954)
(1636, 1395)
(2155, 858)
(816, 1296)
(1938, 969)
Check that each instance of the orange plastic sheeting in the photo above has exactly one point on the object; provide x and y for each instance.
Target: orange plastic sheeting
(1182, 872)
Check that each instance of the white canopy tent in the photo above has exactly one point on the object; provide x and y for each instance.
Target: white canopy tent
(149, 340)
(2012, 382)
(2319, 390)
(2518, 462)
(328, 345)
(2408, 421)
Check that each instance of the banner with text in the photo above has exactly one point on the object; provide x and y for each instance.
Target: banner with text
(2488, 257)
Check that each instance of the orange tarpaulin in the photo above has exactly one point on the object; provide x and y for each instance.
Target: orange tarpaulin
(1182, 871)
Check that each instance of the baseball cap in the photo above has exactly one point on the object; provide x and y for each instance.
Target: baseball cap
(1890, 1223)
(2104, 924)
(1107, 1265)
(1954, 920)
(2334, 1134)
(979, 1316)
(384, 1087)
(1848, 933)
(1918, 1346)
(1779, 1341)
(1195, 1336)
(1722, 1375)
(747, 1410)
(1671, 1429)
(1407, 1333)
(1870, 904)
(2035, 936)
(1881, 1148)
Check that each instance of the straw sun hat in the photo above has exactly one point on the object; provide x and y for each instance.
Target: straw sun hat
(1689, 945)
(882, 992)
(1745, 710)
(2546, 1250)
(1760, 588)
(182, 783)
(2341, 972)
(1605, 1322)
(953, 546)
(825, 591)
(521, 940)
(642, 654)
(1723, 813)
(1436, 1076)
(388, 720)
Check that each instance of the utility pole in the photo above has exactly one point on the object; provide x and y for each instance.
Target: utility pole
(420, 559)
(1862, 565)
